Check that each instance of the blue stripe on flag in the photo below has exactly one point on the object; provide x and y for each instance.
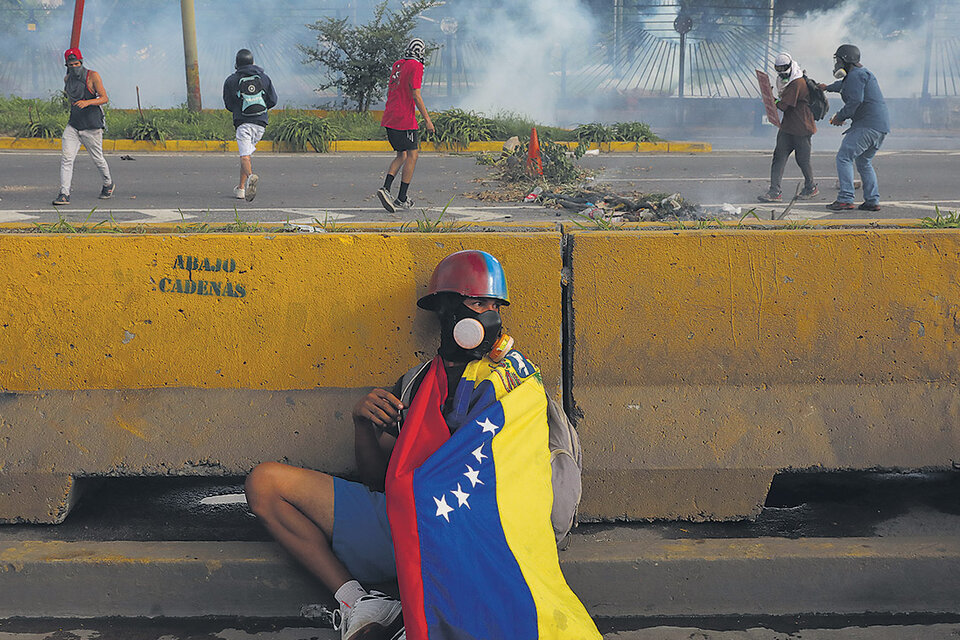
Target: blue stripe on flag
(464, 553)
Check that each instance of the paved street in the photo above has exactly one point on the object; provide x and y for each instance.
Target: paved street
(339, 187)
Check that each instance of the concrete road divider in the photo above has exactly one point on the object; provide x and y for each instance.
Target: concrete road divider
(700, 363)
(206, 354)
(704, 362)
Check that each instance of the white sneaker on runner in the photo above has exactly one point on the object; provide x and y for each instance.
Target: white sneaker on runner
(238, 193)
(250, 192)
(386, 200)
(375, 616)
(403, 204)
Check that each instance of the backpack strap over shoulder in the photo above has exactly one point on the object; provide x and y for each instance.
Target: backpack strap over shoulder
(406, 383)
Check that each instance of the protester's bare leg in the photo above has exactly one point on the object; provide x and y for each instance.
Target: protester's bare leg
(410, 163)
(396, 163)
(297, 507)
(246, 168)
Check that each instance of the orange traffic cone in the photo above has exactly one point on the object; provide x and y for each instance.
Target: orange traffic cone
(534, 163)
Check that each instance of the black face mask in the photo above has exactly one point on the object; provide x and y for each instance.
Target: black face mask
(466, 335)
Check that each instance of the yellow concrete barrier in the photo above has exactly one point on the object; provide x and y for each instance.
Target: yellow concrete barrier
(704, 362)
(206, 354)
(344, 146)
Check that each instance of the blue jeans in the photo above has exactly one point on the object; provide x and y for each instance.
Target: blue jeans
(859, 145)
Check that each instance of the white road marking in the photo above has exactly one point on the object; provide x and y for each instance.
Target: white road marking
(15, 216)
(227, 498)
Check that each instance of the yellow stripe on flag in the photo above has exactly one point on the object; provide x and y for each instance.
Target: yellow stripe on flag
(521, 457)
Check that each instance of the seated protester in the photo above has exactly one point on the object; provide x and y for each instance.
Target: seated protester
(464, 524)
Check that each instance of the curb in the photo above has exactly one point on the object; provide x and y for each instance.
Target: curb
(614, 578)
(343, 146)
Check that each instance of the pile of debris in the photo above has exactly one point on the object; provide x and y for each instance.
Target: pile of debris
(632, 207)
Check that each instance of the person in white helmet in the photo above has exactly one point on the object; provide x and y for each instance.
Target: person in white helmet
(400, 121)
(797, 127)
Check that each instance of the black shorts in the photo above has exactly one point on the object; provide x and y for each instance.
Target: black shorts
(403, 139)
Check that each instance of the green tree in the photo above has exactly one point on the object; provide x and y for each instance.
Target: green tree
(358, 58)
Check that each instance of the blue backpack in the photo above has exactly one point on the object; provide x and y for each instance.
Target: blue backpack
(251, 95)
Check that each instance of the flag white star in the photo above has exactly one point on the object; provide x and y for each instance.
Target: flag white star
(473, 476)
(478, 454)
(443, 509)
(488, 425)
(461, 496)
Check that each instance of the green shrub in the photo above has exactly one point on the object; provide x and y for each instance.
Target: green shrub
(594, 132)
(153, 129)
(350, 125)
(300, 129)
(458, 128)
(634, 132)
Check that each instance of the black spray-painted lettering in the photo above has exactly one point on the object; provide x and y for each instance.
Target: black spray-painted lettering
(203, 288)
(192, 263)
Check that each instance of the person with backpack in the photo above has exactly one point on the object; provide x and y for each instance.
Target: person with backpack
(84, 89)
(458, 488)
(400, 121)
(248, 93)
(864, 106)
(797, 127)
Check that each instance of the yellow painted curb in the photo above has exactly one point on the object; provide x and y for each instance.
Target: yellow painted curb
(345, 146)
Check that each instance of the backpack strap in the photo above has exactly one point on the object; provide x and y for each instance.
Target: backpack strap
(406, 383)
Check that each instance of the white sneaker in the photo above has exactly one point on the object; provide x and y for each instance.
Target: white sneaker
(403, 204)
(375, 616)
(250, 192)
(386, 200)
(238, 193)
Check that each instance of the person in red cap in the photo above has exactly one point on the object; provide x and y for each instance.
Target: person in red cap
(84, 89)
(339, 529)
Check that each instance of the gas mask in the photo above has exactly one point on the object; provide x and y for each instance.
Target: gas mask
(466, 335)
(783, 71)
(838, 71)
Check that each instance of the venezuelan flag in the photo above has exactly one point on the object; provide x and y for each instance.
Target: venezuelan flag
(470, 513)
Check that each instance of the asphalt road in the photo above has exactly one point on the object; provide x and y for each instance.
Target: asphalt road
(339, 187)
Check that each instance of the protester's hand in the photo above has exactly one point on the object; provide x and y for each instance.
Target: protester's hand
(380, 407)
(82, 104)
(836, 121)
(822, 87)
(430, 126)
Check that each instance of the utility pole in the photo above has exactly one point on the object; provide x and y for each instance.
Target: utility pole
(928, 50)
(188, 17)
(77, 22)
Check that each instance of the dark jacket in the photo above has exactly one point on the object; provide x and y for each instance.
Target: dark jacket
(863, 102)
(795, 103)
(233, 103)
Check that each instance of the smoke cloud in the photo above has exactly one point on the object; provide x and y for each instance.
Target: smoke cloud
(891, 37)
(525, 47)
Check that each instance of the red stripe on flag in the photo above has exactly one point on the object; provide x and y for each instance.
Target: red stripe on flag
(424, 431)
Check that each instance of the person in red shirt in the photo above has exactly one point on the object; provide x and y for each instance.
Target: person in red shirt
(400, 121)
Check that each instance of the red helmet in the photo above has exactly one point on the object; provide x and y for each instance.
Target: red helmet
(473, 274)
(72, 52)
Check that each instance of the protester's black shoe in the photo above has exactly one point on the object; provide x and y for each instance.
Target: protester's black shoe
(806, 194)
(770, 197)
(61, 198)
(836, 205)
(869, 206)
(386, 200)
(107, 191)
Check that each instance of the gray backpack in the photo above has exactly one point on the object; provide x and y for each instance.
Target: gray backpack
(565, 459)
